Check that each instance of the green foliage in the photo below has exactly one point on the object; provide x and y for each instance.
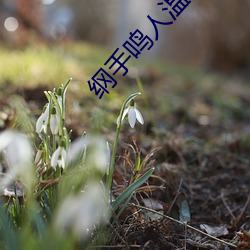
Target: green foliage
(67, 205)
(49, 65)
(132, 188)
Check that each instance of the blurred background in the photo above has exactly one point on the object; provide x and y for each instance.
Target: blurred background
(195, 85)
(202, 59)
(212, 34)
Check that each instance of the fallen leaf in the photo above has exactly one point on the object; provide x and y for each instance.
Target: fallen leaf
(153, 204)
(215, 231)
(245, 236)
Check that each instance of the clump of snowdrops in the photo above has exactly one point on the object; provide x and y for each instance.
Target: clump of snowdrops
(61, 190)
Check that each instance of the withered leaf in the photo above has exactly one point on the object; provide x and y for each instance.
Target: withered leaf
(245, 237)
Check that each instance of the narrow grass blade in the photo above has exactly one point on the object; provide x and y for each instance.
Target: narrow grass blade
(128, 191)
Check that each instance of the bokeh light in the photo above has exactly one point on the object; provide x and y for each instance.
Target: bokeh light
(58, 31)
(11, 24)
(48, 2)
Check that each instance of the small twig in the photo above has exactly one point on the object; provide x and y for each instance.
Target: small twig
(57, 180)
(239, 217)
(48, 185)
(227, 207)
(185, 243)
(149, 188)
(183, 224)
(117, 246)
(175, 198)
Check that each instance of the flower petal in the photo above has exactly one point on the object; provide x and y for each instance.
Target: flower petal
(5, 138)
(19, 151)
(125, 112)
(54, 124)
(132, 117)
(63, 158)
(55, 156)
(80, 214)
(139, 116)
(44, 127)
(46, 113)
(18, 156)
(39, 123)
(38, 156)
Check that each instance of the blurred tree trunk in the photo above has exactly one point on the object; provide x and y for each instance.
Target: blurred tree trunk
(91, 20)
(213, 33)
(28, 14)
(228, 34)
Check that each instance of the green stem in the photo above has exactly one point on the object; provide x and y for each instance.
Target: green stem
(112, 164)
(47, 140)
(63, 101)
(59, 111)
(54, 142)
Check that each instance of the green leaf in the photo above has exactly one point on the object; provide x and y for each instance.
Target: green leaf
(185, 212)
(122, 209)
(129, 190)
(138, 163)
(10, 236)
(39, 222)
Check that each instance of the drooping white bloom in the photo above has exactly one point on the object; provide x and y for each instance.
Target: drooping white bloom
(42, 122)
(79, 214)
(54, 121)
(17, 152)
(59, 157)
(133, 114)
(98, 152)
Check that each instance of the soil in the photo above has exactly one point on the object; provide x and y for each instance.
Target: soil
(202, 164)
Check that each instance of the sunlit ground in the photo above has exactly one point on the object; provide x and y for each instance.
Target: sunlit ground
(198, 118)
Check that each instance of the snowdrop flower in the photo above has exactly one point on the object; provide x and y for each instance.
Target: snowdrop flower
(133, 114)
(98, 152)
(79, 214)
(42, 122)
(59, 97)
(54, 121)
(17, 152)
(59, 157)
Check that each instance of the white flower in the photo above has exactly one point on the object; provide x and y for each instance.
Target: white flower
(17, 152)
(133, 114)
(54, 121)
(59, 158)
(98, 152)
(79, 214)
(42, 122)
